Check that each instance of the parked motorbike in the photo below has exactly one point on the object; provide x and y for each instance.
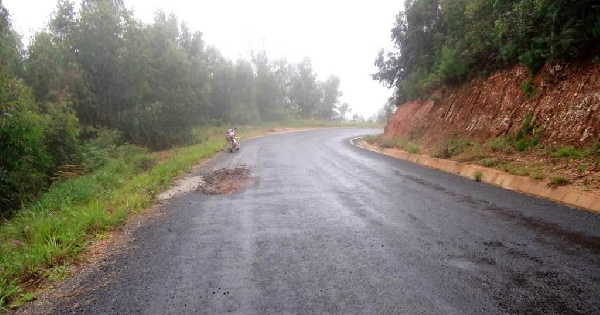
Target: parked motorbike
(233, 142)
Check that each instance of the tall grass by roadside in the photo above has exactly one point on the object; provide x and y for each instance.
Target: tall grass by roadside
(49, 234)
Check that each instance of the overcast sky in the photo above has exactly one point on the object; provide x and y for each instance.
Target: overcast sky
(341, 37)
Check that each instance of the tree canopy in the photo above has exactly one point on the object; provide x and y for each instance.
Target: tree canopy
(445, 42)
(96, 67)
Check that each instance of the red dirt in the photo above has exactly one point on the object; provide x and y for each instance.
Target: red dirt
(566, 105)
(225, 181)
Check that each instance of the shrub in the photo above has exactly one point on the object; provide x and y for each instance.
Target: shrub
(157, 126)
(533, 58)
(522, 145)
(393, 142)
(537, 176)
(527, 127)
(371, 137)
(478, 176)
(499, 144)
(96, 151)
(62, 134)
(528, 88)
(24, 160)
(411, 148)
(594, 149)
(489, 162)
(519, 171)
(560, 181)
(452, 148)
(567, 152)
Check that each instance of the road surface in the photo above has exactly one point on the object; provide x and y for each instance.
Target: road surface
(327, 227)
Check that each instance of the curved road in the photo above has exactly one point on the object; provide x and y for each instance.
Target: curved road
(327, 227)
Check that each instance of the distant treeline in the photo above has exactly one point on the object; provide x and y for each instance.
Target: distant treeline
(446, 42)
(96, 67)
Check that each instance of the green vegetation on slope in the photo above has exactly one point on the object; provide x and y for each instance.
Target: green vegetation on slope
(445, 42)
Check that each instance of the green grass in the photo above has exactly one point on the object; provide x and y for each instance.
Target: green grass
(489, 162)
(45, 237)
(522, 144)
(393, 143)
(400, 143)
(499, 144)
(452, 147)
(412, 148)
(537, 176)
(567, 152)
(560, 181)
(371, 137)
(520, 170)
(478, 176)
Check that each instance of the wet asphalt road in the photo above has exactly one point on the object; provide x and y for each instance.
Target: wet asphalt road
(327, 227)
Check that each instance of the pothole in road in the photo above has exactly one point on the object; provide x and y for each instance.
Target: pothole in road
(225, 181)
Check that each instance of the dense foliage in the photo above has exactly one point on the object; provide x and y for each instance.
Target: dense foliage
(445, 42)
(96, 67)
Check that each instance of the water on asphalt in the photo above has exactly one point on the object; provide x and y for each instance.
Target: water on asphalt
(327, 227)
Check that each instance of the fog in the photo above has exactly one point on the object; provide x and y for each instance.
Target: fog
(341, 37)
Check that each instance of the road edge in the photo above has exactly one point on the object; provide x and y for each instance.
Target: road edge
(580, 199)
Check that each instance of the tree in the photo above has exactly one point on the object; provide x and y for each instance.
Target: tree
(99, 42)
(269, 98)
(244, 94)
(331, 95)
(305, 93)
(344, 109)
(447, 42)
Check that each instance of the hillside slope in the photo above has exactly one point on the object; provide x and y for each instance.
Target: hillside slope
(566, 106)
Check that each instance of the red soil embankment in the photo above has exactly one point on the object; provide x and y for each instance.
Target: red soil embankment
(566, 107)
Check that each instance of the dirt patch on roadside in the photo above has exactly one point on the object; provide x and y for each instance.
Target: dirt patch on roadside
(225, 181)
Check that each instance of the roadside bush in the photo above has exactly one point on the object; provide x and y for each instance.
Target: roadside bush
(95, 151)
(537, 176)
(594, 149)
(526, 136)
(157, 126)
(499, 144)
(478, 176)
(522, 145)
(393, 142)
(24, 160)
(62, 134)
(371, 137)
(411, 148)
(567, 152)
(560, 181)
(452, 148)
(489, 162)
(527, 127)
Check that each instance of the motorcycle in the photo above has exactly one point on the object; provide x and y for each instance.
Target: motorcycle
(233, 142)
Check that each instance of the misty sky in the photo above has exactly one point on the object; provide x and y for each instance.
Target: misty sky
(341, 37)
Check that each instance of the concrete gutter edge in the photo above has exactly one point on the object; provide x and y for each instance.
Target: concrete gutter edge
(580, 199)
